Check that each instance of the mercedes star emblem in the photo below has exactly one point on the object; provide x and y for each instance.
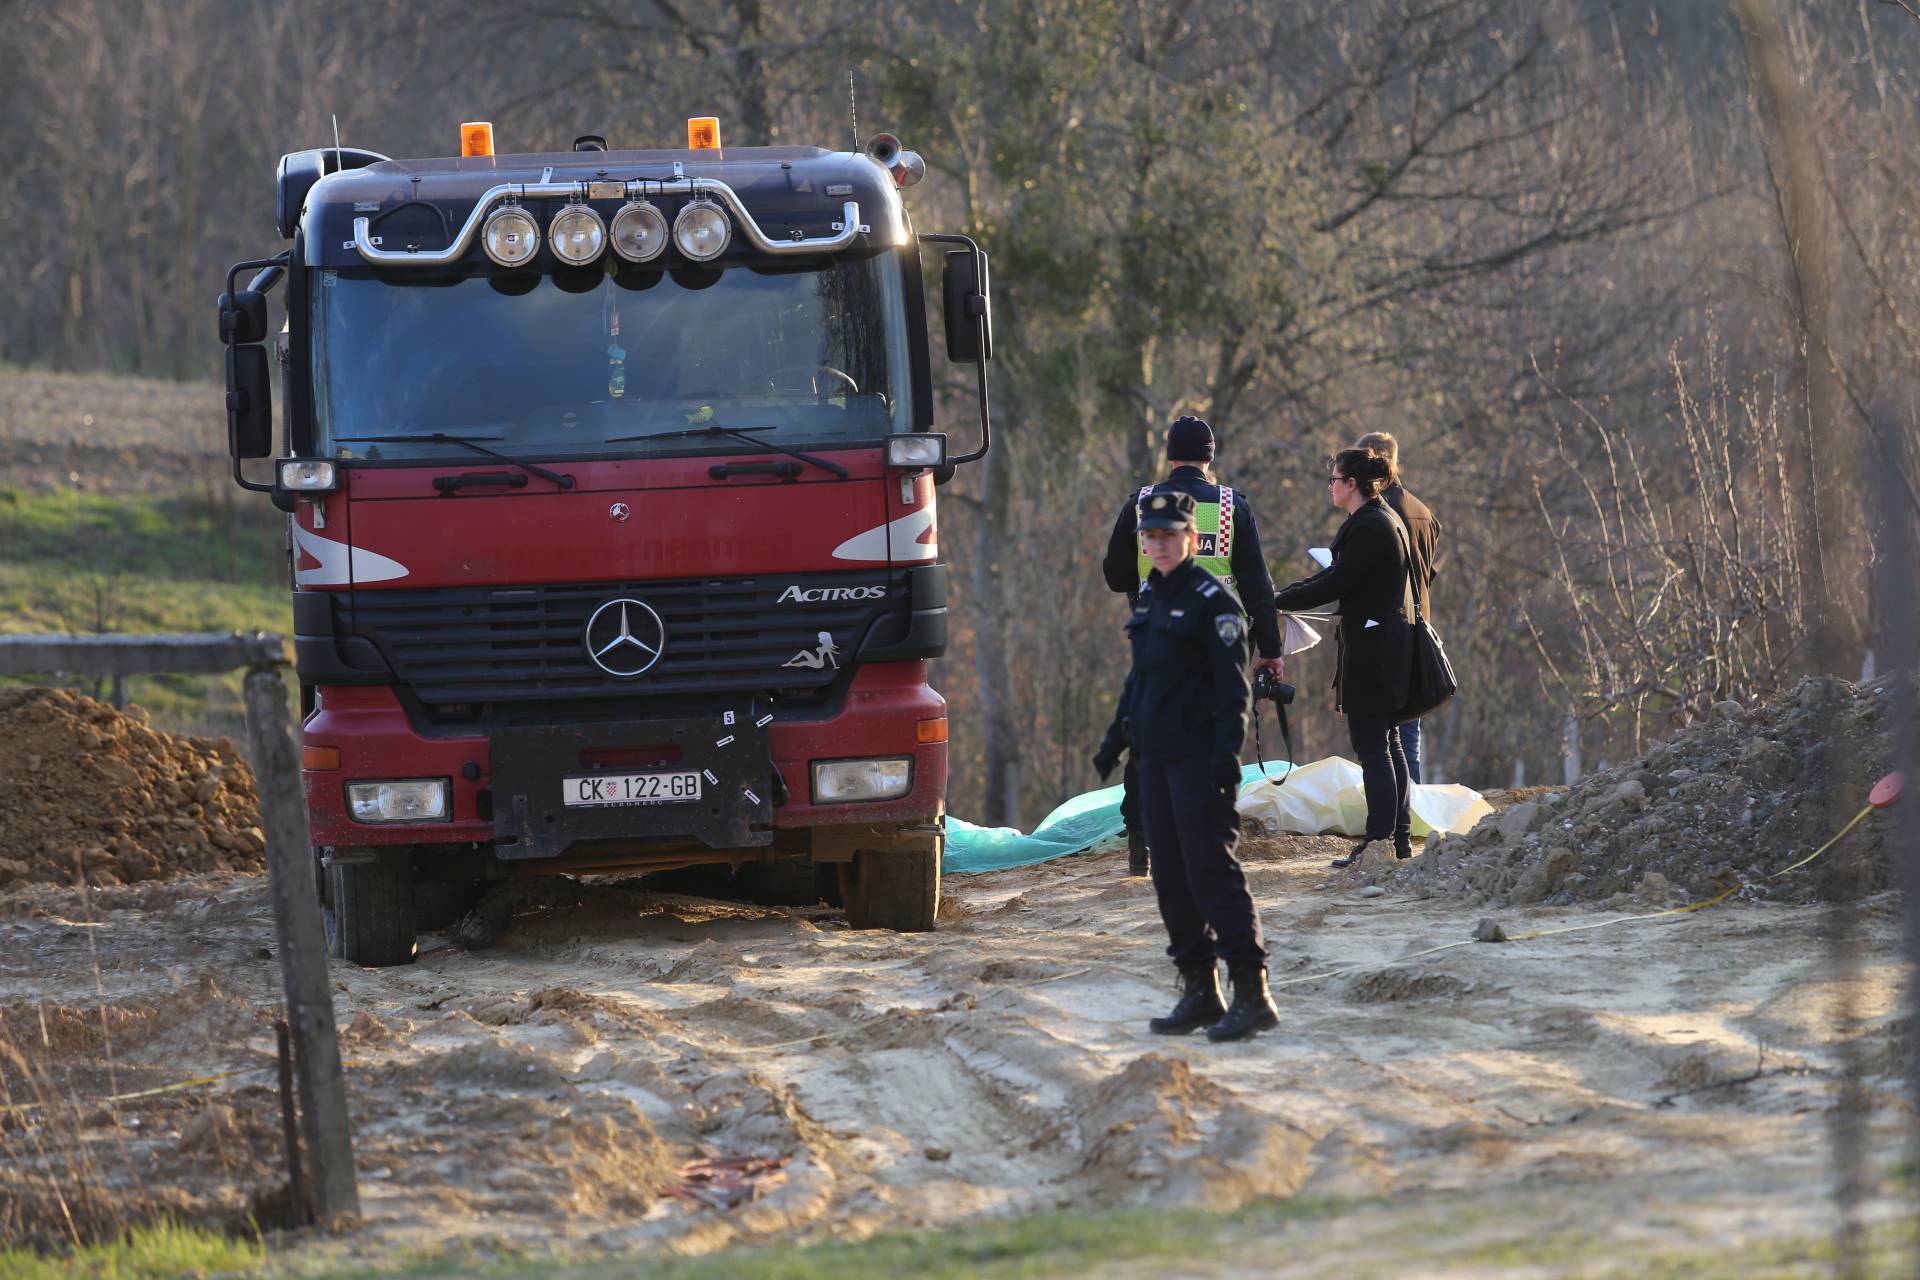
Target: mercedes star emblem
(625, 637)
(619, 511)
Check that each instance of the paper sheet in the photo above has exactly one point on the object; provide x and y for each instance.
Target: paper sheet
(1297, 635)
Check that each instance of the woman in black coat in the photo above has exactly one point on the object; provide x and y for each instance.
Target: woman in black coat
(1370, 580)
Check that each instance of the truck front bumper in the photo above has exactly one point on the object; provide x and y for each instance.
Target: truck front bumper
(509, 790)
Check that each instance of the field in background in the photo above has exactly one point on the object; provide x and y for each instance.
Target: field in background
(118, 515)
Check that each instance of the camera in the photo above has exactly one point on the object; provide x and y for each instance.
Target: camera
(1271, 688)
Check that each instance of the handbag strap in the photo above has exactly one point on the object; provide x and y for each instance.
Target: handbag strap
(1408, 594)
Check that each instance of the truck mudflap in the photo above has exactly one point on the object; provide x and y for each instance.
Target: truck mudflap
(555, 786)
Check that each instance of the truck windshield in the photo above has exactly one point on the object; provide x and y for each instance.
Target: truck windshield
(538, 365)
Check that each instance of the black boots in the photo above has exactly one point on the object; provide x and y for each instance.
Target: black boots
(1403, 847)
(1352, 857)
(1136, 854)
(1199, 1004)
(1252, 1010)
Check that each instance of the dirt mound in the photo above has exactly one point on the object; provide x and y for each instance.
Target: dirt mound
(1157, 1131)
(89, 790)
(1725, 802)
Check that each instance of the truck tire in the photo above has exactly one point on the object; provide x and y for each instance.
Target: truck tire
(369, 910)
(897, 890)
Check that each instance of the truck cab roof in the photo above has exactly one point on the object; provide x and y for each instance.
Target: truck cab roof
(791, 192)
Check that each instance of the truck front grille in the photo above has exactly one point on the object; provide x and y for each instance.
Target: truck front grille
(491, 652)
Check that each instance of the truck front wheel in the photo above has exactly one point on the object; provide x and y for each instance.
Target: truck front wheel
(369, 910)
(895, 889)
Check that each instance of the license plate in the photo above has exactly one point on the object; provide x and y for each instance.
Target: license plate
(632, 788)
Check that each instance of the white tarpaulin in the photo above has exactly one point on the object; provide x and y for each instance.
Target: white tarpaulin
(1326, 798)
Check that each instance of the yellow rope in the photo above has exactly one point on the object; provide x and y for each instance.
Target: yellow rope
(195, 1083)
(1714, 901)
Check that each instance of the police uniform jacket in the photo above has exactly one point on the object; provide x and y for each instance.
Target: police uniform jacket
(1250, 576)
(1423, 539)
(1187, 692)
(1370, 578)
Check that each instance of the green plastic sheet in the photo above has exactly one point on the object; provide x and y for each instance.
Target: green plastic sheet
(1074, 827)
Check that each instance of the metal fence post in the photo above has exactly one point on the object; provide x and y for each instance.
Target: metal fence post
(332, 1190)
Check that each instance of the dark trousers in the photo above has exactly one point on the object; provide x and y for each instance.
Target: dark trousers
(1383, 768)
(1410, 744)
(1130, 794)
(1192, 828)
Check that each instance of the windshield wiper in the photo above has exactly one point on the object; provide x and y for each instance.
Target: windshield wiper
(738, 433)
(466, 442)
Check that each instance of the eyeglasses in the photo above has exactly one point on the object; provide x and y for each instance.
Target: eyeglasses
(1334, 479)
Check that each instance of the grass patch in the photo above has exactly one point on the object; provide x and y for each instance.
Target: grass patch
(163, 1249)
(85, 563)
(1423, 1238)
(183, 535)
(1056, 1244)
(1885, 1249)
(42, 596)
(47, 598)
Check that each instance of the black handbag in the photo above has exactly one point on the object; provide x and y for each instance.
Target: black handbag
(1431, 682)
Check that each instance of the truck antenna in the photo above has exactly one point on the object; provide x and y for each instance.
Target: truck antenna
(337, 166)
(853, 109)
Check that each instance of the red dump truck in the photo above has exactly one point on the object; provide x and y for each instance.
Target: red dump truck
(612, 483)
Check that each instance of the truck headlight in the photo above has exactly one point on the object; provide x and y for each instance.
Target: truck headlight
(409, 800)
(510, 236)
(578, 235)
(841, 781)
(702, 231)
(928, 450)
(639, 232)
(307, 475)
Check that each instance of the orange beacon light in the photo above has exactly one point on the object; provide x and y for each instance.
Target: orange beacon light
(476, 138)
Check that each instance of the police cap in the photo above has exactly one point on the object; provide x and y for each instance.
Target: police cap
(1173, 510)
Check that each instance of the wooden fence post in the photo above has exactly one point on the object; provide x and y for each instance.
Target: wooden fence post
(332, 1190)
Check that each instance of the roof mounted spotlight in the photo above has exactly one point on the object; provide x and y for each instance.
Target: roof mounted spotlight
(701, 230)
(578, 235)
(639, 232)
(510, 236)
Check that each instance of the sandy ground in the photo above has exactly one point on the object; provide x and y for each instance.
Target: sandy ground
(549, 1091)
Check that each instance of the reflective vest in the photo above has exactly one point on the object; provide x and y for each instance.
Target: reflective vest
(1213, 521)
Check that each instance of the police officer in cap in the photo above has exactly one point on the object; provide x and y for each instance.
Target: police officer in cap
(1184, 712)
(1229, 549)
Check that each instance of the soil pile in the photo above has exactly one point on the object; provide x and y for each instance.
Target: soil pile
(1728, 801)
(86, 789)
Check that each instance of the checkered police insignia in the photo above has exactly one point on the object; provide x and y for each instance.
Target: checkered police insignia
(1228, 625)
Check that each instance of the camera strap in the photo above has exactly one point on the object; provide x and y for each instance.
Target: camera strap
(1286, 739)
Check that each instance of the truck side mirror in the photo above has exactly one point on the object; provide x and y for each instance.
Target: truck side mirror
(243, 317)
(969, 307)
(249, 402)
